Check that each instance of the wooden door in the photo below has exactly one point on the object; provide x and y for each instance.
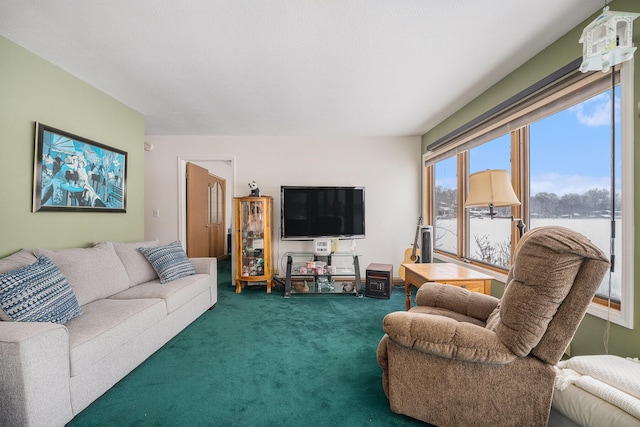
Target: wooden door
(217, 209)
(206, 235)
(197, 211)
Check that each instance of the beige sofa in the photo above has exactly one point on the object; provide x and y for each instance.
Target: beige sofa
(50, 372)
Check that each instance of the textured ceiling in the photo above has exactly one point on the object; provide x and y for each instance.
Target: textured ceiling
(290, 67)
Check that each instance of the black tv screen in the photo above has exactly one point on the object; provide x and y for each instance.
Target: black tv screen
(310, 212)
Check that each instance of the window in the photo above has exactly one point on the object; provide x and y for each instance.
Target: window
(446, 206)
(571, 187)
(556, 144)
(490, 240)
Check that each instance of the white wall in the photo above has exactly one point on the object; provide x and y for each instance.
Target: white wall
(389, 169)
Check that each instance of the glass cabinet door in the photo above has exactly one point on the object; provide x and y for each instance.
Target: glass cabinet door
(252, 235)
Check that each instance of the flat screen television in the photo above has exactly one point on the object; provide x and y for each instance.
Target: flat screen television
(312, 212)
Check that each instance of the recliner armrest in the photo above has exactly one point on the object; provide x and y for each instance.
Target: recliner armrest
(454, 298)
(446, 337)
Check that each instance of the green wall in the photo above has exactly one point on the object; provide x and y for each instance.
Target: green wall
(32, 89)
(589, 338)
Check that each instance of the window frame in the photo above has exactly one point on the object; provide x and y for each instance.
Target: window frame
(511, 118)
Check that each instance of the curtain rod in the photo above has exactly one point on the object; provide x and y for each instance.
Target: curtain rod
(562, 72)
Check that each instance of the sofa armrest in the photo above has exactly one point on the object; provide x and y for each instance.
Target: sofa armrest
(208, 266)
(445, 337)
(34, 374)
(205, 265)
(454, 298)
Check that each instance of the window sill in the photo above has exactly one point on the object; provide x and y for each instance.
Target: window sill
(610, 315)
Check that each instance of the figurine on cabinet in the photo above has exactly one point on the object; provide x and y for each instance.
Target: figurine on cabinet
(255, 191)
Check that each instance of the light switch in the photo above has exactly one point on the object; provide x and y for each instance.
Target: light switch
(156, 213)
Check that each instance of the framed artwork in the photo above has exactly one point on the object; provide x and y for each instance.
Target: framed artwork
(72, 173)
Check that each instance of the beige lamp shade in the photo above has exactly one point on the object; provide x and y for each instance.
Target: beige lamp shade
(490, 187)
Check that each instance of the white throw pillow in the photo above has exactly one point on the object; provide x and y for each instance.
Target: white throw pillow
(93, 273)
(20, 259)
(138, 267)
(618, 372)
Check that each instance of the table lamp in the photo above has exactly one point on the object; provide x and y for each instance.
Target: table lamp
(492, 188)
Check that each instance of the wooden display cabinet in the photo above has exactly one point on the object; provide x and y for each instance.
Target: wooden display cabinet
(253, 217)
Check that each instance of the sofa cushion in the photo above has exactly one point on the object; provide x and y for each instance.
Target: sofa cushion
(106, 325)
(17, 260)
(37, 293)
(170, 261)
(93, 273)
(175, 293)
(138, 268)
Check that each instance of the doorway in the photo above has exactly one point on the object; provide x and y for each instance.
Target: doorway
(205, 213)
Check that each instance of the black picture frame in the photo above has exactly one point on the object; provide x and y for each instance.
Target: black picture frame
(72, 173)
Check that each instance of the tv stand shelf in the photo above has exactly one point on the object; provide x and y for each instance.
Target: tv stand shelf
(338, 273)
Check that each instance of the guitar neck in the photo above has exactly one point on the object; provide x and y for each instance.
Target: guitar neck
(415, 242)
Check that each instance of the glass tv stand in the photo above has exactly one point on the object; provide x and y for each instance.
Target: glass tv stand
(307, 273)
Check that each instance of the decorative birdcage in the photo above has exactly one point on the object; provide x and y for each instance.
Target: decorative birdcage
(607, 41)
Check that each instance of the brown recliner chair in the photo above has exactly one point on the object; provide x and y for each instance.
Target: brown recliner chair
(467, 359)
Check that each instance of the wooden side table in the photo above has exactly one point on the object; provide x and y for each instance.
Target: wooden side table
(447, 273)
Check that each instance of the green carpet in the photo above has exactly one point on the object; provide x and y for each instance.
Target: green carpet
(262, 360)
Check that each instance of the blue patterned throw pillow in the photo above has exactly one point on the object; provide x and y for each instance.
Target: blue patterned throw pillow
(38, 293)
(170, 261)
